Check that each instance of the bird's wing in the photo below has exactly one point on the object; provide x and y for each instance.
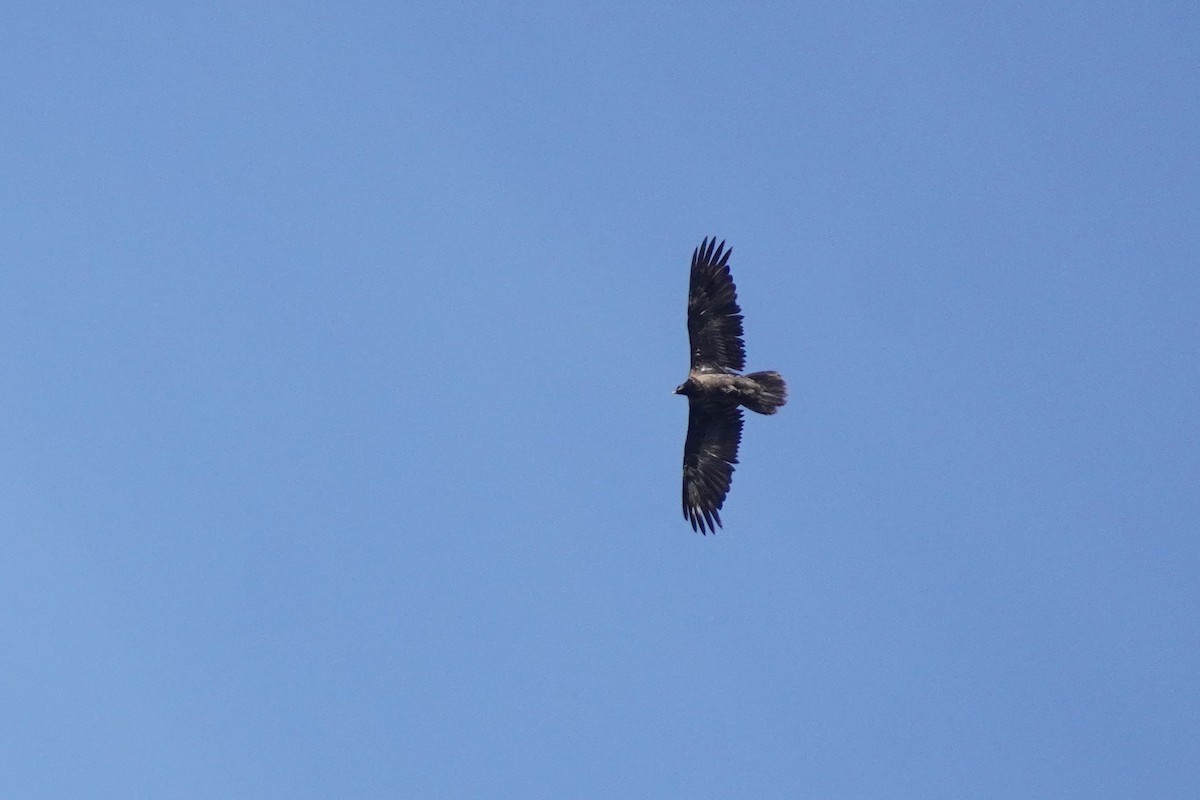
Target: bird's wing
(714, 319)
(714, 431)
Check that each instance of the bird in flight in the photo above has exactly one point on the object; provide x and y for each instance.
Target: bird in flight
(714, 388)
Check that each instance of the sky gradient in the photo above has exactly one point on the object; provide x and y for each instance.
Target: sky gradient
(339, 453)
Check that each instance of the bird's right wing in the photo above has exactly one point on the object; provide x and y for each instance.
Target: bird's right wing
(714, 432)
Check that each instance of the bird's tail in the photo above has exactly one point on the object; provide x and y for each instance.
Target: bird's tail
(770, 392)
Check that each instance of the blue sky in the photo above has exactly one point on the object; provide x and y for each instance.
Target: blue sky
(339, 457)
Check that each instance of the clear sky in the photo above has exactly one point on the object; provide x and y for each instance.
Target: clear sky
(339, 456)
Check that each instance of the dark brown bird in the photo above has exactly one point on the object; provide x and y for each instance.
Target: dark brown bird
(714, 389)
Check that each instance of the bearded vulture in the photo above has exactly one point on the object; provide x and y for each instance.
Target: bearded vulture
(714, 388)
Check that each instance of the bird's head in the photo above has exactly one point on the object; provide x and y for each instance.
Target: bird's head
(684, 388)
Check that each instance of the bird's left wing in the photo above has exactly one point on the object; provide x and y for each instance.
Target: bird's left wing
(714, 318)
(714, 432)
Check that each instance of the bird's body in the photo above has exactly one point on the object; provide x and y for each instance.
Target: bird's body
(716, 392)
(757, 391)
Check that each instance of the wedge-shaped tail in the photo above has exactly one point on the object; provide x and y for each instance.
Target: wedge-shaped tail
(770, 392)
